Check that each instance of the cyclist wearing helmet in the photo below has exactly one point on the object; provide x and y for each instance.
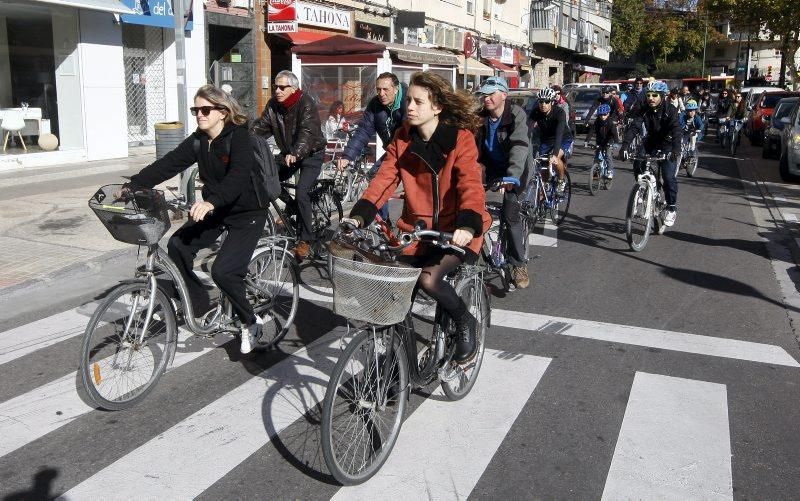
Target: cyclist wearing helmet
(692, 125)
(550, 134)
(606, 133)
(504, 152)
(663, 134)
(606, 97)
(675, 99)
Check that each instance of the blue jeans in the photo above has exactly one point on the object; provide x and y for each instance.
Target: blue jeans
(383, 211)
(603, 151)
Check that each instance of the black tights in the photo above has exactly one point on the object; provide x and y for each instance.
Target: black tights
(435, 267)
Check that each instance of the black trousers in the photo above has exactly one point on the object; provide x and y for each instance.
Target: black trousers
(230, 266)
(310, 169)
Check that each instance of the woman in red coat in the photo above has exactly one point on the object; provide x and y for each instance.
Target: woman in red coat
(435, 157)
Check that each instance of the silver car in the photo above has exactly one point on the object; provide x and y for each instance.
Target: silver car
(789, 163)
(580, 101)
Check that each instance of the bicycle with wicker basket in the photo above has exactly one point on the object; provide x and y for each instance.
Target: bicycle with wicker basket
(369, 388)
(132, 336)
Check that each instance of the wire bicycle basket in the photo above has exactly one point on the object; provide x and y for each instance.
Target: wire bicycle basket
(138, 219)
(368, 290)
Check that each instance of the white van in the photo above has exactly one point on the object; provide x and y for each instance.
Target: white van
(754, 92)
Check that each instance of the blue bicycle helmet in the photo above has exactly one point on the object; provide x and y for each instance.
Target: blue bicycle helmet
(603, 109)
(658, 86)
(691, 105)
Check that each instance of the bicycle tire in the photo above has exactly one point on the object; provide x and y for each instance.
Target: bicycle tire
(350, 398)
(270, 227)
(560, 206)
(464, 377)
(691, 166)
(633, 209)
(326, 205)
(273, 288)
(734, 144)
(527, 229)
(359, 186)
(594, 178)
(99, 367)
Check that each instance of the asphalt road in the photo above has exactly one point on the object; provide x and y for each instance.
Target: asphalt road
(669, 373)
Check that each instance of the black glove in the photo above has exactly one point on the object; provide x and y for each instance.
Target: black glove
(673, 156)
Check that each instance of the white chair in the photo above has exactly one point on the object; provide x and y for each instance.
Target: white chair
(13, 122)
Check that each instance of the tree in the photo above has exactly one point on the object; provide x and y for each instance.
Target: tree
(628, 20)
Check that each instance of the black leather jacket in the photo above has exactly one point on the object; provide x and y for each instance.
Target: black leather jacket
(297, 130)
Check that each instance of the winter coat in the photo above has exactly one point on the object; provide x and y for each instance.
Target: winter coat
(442, 183)
(225, 172)
(297, 130)
(663, 128)
(513, 138)
(377, 119)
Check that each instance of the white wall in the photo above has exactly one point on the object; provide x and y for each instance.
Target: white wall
(68, 79)
(196, 71)
(103, 76)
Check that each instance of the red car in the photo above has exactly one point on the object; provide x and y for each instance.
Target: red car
(764, 107)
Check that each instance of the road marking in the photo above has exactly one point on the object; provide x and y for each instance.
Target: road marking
(25, 339)
(674, 442)
(790, 218)
(779, 199)
(201, 449)
(548, 237)
(53, 405)
(641, 336)
(444, 447)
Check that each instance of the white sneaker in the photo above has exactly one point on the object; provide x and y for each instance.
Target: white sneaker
(609, 174)
(250, 334)
(669, 218)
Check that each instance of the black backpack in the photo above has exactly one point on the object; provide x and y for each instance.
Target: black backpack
(265, 178)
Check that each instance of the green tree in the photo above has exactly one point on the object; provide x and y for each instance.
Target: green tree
(627, 23)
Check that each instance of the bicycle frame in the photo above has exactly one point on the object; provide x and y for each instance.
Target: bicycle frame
(652, 178)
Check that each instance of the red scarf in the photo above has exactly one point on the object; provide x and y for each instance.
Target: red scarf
(292, 100)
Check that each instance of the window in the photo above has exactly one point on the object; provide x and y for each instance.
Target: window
(354, 85)
(487, 9)
(471, 7)
(564, 23)
(777, 53)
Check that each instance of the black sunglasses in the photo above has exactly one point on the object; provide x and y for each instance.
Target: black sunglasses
(205, 110)
(545, 101)
(281, 87)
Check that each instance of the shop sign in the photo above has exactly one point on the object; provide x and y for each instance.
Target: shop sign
(156, 13)
(507, 55)
(324, 17)
(491, 51)
(369, 31)
(281, 16)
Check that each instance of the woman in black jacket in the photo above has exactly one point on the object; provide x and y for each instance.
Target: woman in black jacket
(222, 148)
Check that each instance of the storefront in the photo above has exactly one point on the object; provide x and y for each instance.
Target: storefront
(63, 68)
(409, 59)
(475, 71)
(586, 73)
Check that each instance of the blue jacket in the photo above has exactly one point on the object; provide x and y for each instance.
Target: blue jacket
(376, 119)
(697, 124)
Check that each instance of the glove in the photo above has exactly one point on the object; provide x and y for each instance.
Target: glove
(673, 156)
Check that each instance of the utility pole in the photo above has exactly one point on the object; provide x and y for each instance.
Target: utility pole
(180, 65)
(705, 44)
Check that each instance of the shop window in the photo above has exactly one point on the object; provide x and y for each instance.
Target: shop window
(471, 7)
(353, 85)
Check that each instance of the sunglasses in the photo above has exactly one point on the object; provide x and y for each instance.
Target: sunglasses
(653, 94)
(205, 110)
(281, 87)
(545, 101)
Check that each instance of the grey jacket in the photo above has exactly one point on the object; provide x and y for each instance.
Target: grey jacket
(512, 133)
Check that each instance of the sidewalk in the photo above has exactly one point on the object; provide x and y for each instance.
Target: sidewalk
(47, 230)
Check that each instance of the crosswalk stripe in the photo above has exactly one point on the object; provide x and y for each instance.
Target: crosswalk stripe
(641, 336)
(45, 409)
(444, 447)
(201, 449)
(548, 237)
(28, 338)
(674, 442)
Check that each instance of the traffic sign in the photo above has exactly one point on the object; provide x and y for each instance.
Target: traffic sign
(470, 44)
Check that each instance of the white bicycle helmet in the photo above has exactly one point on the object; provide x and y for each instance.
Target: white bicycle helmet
(547, 93)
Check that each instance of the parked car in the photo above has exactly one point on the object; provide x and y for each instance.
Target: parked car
(580, 101)
(525, 98)
(754, 93)
(774, 124)
(789, 163)
(764, 106)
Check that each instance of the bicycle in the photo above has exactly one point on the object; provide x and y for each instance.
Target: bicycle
(351, 182)
(541, 197)
(326, 206)
(368, 391)
(722, 132)
(734, 135)
(635, 144)
(599, 172)
(689, 152)
(646, 203)
(131, 338)
(495, 241)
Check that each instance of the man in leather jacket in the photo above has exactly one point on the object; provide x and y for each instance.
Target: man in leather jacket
(293, 119)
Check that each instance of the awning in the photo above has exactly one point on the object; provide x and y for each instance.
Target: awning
(304, 37)
(420, 55)
(113, 6)
(475, 67)
(339, 49)
(506, 69)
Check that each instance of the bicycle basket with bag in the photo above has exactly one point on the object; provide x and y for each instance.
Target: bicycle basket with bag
(369, 290)
(140, 218)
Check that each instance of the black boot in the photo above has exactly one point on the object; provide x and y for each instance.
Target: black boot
(466, 326)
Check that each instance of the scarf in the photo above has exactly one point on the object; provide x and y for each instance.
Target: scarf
(292, 100)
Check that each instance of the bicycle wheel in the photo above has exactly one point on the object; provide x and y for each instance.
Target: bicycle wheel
(273, 289)
(691, 166)
(595, 173)
(734, 144)
(269, 226)
(364, 405)
(122, 359)
(326, 207)
(637, 226)
(560, 205)
(459, 380)
(527, 229)
(359, 185)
